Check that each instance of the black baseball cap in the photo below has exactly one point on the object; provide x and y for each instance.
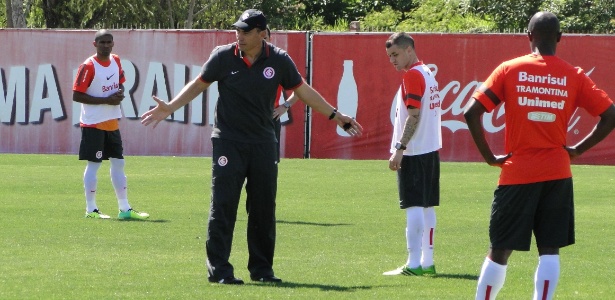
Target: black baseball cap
(250, 19)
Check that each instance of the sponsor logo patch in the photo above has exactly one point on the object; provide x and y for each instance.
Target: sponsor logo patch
(539, 116)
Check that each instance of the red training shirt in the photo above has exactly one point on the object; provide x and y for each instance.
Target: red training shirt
(540, 94)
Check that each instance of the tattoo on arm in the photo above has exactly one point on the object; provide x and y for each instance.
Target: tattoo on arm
(412, 123)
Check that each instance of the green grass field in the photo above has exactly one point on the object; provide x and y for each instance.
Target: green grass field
(339, 228)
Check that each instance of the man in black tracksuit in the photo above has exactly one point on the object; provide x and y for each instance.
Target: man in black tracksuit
(248, 73)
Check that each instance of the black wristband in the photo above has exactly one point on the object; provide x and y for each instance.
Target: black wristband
(333, 114)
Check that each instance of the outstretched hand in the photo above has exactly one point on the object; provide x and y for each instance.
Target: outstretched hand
(156, 114)
(349, 124)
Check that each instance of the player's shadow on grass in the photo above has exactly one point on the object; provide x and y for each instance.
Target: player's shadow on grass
(322, 287)
(146, 220)
(312, 223)
(457, 276)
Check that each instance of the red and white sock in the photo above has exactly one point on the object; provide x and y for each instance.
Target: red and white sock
(491, 280)
(546, 277)
(120, 183)
(429, 231)
(414, 235)
(90, 181)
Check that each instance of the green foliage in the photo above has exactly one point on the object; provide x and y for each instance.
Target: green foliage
(365, 7)
(93, 14)
(36, 18)
(329, 10)
(385, 20)
(507, 15)
(431, 15)
(470, 23)
(283, 14)
(584, 15)
(339, 227)
(220, 14)
(340, 25)
(317, 23)
(444, 16)
(412, 15)
(2, 14)
(575, 15)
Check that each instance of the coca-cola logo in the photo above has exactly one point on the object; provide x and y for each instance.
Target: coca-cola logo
(452, 114)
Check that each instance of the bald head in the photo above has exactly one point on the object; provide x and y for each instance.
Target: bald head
(544, 32)
(544, 25)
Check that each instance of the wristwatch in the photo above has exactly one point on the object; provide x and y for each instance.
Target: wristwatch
(286, 104)
(399, 146)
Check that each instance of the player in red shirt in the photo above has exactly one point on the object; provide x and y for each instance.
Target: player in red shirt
(540, 92)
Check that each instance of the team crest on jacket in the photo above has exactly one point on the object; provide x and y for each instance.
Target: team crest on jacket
(222, 161)
(269, 72)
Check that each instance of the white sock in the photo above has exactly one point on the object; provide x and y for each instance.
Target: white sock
(414, 235)
(491, 280)
(429, 216)
(119, 181)
(546, 277)
(90, 181)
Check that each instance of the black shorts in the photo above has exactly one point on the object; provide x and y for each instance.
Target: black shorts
(418, 180)
(98, 145)
(545, 208)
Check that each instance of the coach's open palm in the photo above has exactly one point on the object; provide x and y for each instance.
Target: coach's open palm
(156, 114)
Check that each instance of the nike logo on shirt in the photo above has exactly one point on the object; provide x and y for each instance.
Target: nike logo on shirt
(234, 72)
(109, 77)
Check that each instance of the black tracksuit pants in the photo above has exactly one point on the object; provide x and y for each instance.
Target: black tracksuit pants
(234, 163)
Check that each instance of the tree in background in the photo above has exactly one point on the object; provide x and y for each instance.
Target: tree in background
(92, 14)
(507, 15)
(331, 15)
(445, 16)
(575, 15)
(384, 20)
(585, 16)
(15, 13)
(329, 10)
(6, 11)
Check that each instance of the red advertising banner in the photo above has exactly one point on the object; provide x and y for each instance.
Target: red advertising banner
(461, 63)
(351, 70)
(37, 114)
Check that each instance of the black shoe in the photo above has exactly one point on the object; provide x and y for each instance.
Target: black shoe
(227, 280)
(269, 278)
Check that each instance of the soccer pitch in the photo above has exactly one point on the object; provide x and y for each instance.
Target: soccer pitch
(339, 227)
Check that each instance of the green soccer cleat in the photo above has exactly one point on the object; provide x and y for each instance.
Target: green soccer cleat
(132, 214)
(96, 214)
(431, 270)
(403, 270)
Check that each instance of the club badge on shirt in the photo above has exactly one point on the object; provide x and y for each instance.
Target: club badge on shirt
(222, 161)
(269, 72)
